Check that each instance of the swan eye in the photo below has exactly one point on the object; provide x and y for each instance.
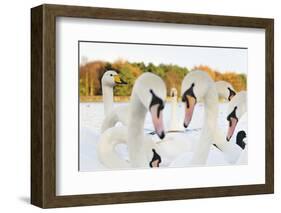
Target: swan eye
(111, 75)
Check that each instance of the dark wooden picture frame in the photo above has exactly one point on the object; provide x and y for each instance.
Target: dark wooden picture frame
(43, 105)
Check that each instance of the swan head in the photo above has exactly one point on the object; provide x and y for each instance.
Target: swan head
(111, 78)
(241, 135)
(156, 159)
(194, 88)
(225, 90)
(174, 92)
(151, 91)
(236, 108)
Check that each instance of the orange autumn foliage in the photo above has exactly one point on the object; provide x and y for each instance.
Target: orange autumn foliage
(238, 81)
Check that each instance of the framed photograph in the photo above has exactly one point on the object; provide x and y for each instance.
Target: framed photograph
(136, 106)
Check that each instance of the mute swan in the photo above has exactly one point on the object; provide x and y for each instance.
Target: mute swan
(174, 122)
(225, 90)
(148, 94)
(231, 151)
(228, 152)
(119, 135)
(237, 107)
(120, 114)
(237, 118)
(169, 148)
(236, 111)
(176, 144)
(243, 159)
(198, 86)
(240, 139)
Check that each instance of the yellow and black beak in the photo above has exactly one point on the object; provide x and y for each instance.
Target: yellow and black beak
(118, 80)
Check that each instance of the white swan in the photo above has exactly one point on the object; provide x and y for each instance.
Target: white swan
(148, 94)
(109, 79)
(236, 109)
(119, 114)
(228, 153)
(107, 145)
(241, 140)
(176, 144)
(180, 154)
(173, 144)
(236, 112)
(225, 90)
(173, 151)
(243, 159)
(174, 124)
(238, 126)
(116, 114)
(198, 86)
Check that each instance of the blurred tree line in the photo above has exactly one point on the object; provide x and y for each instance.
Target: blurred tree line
(91, 74)
(237, 80)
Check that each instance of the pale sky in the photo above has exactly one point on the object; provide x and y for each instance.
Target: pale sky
(221, 59)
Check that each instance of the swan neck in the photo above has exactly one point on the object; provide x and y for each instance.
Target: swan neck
(211, 111)
(137, 113)
(174, 119)
(174, 108)
(208, 131)
(107, 95)
(136, 117)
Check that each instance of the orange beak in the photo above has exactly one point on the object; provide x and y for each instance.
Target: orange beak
(232, 124)
(157, 120)
(190, 104)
